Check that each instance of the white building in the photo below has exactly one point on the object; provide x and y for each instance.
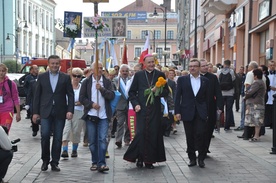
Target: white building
(30, 27)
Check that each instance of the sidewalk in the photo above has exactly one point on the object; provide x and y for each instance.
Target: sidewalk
(231, 160)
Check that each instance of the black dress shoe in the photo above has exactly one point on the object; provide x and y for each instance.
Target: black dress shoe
(240, 136)
(139, 164)
(34, 134)
(44, 166)
(55, 168)
(149, 166)
(201, 163)
(192, 163)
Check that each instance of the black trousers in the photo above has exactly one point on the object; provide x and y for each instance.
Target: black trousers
(268, 115)
(5, 160)
(195, 136)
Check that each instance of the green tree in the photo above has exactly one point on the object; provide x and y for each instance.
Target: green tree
(11, 64)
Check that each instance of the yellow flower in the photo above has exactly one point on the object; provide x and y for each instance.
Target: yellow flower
(158, 84)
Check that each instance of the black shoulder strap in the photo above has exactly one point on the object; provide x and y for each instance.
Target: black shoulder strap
(10, 85)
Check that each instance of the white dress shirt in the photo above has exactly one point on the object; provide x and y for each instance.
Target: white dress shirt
(195, 82)
(101, 102)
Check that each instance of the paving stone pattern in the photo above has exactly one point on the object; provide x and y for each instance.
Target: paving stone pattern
(231, 160)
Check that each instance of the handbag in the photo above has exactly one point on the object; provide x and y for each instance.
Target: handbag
(114, 102)
(93, 119)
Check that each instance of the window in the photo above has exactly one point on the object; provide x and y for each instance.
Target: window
(157, 34)
(137, 52)
(24, 11)
(47, 48)
(30, 13)
(264, 36)
(47, 21)
(25, 44)
(36, 16)
(36, 46)
(170, 34)
(159, 52)
(51, 47)
(128, 34)
(51, 23)
(18, 8)
(43, 47)
(168, 50)
(42, 19)
(30, 45)
(143, 35)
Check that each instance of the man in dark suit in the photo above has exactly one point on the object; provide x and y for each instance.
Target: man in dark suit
(122, 107)
(215, 100)
(51, 106)
(192, 109)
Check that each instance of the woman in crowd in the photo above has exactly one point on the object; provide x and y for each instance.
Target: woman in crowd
(255, 107)
(8, 99)
(72, 128)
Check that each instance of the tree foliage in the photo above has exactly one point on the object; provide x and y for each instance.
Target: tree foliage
(11, 64)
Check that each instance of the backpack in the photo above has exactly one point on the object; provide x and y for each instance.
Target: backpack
(225, 81)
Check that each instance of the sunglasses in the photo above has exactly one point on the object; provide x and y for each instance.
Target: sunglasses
(77, 76)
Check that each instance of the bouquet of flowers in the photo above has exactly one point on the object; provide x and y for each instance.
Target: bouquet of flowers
(71, 30)
(160, 84)
(96, 23)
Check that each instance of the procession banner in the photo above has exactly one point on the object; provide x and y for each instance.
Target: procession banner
(117, 28)
(73, 20)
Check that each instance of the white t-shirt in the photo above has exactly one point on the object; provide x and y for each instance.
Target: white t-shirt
(101, 101)
(77, 94)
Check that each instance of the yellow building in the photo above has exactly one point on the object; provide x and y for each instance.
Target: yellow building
(140, 22)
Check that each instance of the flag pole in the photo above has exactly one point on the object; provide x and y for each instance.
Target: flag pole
(71, 61)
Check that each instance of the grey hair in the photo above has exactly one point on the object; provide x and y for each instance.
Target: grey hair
(124, 66)
(254, 64)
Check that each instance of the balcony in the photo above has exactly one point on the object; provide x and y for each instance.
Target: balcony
(219, 7)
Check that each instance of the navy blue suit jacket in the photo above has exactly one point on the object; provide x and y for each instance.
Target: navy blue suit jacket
(187, 103)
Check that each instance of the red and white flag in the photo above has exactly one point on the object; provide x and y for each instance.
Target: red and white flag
(124, 57)
(145, 50)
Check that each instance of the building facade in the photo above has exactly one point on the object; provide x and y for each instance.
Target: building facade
(238, 30)
(30, 27)
(139, 27)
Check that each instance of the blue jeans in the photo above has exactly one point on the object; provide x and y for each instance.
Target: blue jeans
(242, 114)
(229, 101)
(97, 138)
(56, 126)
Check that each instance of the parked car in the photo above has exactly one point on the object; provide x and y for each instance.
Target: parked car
(15, 77)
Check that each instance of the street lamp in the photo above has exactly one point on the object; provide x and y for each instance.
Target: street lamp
(153, 34)
(17, 29)
(165, 20)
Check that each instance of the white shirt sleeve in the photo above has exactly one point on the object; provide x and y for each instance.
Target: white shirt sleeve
(5, 142)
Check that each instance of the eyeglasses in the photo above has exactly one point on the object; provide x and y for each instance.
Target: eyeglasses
(77, 76)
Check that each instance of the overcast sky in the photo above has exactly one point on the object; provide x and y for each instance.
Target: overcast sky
(88, 8)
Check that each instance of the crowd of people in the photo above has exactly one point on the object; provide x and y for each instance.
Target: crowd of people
(64, 105)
